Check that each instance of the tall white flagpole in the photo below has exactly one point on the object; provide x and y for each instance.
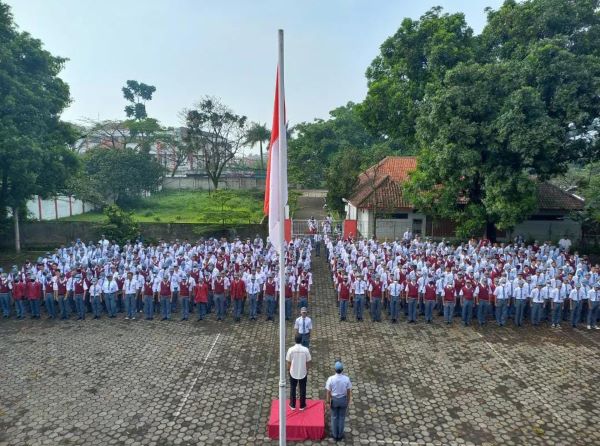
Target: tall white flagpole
(281, 211)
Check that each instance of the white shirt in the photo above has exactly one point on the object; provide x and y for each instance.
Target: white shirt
(395, 289)
(130, 286)
(109, 287)
(338, 385)
(252, 287)
(95, 290)
(360, 287)
(303, 325)
(501, 293)
(298, 356)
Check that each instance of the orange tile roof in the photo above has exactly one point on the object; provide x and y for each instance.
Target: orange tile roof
(381, 186)
(397, 167)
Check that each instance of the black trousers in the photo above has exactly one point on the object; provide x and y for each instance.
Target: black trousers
(293, 383)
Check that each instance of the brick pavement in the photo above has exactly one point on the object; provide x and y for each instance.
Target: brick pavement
(116, 382)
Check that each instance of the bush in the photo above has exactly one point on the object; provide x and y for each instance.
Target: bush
(120, 226)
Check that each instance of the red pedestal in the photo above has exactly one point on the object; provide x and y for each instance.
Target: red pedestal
(300, 425)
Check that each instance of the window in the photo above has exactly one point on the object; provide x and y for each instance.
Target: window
(547, 217)
(397, 216)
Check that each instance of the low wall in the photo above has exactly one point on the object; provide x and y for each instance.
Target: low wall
(55, 233)
(549, 230)
(202, 183)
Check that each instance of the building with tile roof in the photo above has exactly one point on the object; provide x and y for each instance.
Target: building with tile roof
(379, 189)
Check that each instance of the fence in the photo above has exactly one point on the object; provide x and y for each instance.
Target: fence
(203, 183)
(304, 227)
(55, 208)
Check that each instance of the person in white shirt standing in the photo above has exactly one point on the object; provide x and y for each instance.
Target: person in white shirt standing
(298, 362)
(593, 302)
(556, 302)
(130, 287)
(339, 392)
(502, 299)
(303, 327)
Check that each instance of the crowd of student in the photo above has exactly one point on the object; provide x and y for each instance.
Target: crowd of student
(210, 276)
(414, 276)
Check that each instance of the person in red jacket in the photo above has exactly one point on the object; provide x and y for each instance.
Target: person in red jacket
(185, 289)
(33, 292)
(429, 301)
(237, 292)
(18, 296)
(343, 296)
(62, 296)
(482, 297)
(449, 302)
(201, 297)
(467, 297)
(270, 289)
(376, 290)
(164, 292)
(148, 296)
(412, 300)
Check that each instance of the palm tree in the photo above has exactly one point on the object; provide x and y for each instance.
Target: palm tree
(258, 134)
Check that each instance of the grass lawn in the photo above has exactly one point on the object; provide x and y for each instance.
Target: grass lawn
(229, 207)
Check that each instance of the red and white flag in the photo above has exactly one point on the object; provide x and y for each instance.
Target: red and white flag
(276, 190)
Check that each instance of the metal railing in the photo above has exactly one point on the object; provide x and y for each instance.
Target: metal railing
(308, 227)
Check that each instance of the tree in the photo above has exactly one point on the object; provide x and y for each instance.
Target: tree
(174, 148)
(141, 129)
(216, 134)
(137, 94)
(258, 134)
(494, 118)
(119, 176)
(33, 140)
(413, 60)
(316, 143)
(342, 174)
(120, 226)
(342, 177)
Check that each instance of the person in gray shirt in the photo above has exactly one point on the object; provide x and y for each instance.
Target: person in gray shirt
(339, 392)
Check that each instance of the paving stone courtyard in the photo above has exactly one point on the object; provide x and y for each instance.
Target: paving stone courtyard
(117, 382)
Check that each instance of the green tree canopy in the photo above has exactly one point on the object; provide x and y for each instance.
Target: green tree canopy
(119, 175)
(316, 144)
(216, 134)
(490, 114)
(411, 61)
(258, 134)
(34, 153)
(137, 94)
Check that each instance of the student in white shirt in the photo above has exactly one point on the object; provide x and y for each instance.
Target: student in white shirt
(593, 296)
(298, 362)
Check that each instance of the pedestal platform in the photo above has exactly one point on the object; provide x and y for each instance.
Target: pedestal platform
(308, 424)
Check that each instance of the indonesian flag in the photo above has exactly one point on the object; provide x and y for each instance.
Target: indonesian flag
(276, 190)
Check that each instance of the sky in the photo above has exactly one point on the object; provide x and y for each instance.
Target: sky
(189, 49)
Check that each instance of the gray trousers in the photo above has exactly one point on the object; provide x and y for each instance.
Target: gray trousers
(339, 406)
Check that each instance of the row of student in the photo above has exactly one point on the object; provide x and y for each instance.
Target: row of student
(106, 277)
(150, 295)
(420, 275)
